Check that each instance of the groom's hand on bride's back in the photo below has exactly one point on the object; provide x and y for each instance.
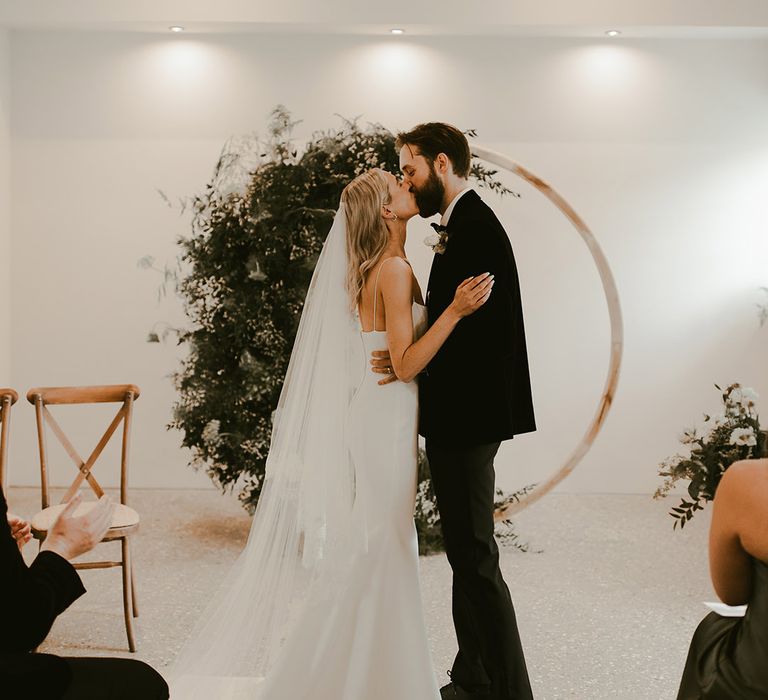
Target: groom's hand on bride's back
(381, 363)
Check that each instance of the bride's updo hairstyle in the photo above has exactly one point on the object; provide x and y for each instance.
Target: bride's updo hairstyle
(367, 234)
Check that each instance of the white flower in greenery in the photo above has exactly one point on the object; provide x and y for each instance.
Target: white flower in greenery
(211, 432)
(425, 506)
(745, 396)
(744, 437)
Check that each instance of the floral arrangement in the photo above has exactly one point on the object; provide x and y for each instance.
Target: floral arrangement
(726, 438)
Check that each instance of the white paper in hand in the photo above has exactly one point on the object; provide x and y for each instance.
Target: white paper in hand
(727, 610)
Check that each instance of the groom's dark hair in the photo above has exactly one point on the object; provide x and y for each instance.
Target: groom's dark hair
(436, 137)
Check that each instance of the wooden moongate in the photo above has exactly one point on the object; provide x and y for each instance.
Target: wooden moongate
(614, 312)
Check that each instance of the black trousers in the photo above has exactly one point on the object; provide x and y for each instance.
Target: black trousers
(49, 677)
(490, 661)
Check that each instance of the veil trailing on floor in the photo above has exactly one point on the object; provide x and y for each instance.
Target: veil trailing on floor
(308, 521)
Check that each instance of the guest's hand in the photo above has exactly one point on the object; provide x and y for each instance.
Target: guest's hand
(20, 529)
(381, 363)
(73, 535)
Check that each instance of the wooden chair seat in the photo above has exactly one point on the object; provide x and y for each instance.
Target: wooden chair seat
(125, 520)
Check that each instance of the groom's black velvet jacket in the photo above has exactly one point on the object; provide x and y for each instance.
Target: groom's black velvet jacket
(477, 388)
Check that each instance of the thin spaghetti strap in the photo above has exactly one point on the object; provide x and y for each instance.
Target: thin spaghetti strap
(376, 285)
(376, 291)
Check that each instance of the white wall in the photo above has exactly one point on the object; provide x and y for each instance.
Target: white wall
(662, 146)
(5, 207)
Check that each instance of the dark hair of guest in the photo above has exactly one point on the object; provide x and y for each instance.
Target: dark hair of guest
(435, 137)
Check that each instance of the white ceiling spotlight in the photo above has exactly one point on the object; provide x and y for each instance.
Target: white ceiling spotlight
(176, 29)
(397, 31)
(613, 32)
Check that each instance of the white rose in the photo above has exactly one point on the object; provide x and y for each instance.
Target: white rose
(743, 437)
(432, 240)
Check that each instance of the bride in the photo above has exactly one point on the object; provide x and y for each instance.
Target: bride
(324, 601)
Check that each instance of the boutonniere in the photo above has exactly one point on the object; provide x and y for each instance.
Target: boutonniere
(438, 240)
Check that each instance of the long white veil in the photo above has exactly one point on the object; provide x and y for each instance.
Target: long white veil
(305, 521)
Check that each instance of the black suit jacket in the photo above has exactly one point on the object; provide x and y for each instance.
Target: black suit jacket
(477, 388)
(30, 600)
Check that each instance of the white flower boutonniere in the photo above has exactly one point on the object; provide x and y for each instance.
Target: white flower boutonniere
(437, 240)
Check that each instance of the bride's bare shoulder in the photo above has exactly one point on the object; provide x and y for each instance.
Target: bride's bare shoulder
(395, 271)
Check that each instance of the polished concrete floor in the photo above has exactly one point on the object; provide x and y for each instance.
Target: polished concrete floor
(606, 610)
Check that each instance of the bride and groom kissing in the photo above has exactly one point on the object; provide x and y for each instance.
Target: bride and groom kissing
(324, 602)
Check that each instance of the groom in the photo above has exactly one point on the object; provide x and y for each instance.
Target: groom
(474, 394)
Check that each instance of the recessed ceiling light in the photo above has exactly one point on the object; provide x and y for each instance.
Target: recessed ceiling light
(613, 32)
(397, 31)
(176, 28)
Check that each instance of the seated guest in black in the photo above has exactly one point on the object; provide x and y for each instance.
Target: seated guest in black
(31, 598)
(728, 656)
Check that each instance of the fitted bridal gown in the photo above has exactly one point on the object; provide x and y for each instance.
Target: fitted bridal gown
(365, 639)
(361, 634)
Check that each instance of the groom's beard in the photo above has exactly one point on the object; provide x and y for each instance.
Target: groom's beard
(430, 196)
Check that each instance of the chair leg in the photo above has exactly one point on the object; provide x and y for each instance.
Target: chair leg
(134, 602)
(127, 593)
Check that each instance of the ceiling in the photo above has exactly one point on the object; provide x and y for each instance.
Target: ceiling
(642, 18)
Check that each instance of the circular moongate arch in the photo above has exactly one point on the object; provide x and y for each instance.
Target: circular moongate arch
(614, 312)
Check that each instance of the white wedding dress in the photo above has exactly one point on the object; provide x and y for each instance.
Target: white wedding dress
(360, 633)
(363, 638)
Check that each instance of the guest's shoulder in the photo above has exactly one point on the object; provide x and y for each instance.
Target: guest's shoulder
(741, 503)
(753, 471)
(744, 482)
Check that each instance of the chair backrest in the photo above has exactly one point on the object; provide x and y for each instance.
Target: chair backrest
(8, 397)
(42, 397)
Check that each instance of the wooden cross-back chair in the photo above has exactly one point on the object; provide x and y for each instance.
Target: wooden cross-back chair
(125, 520)
(8, 397)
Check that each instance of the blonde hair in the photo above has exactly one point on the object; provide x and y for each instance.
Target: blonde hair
(367, 234)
